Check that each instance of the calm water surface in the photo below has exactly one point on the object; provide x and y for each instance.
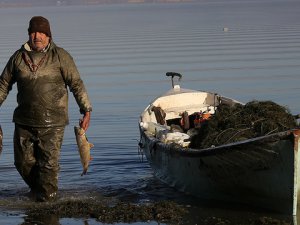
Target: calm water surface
(123, 53)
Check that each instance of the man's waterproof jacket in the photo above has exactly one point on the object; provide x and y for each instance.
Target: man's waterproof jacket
(42, 79)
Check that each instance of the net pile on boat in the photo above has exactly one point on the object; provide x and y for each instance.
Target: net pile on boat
(240, 122)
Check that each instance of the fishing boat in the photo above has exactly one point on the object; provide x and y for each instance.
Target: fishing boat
(261, 172)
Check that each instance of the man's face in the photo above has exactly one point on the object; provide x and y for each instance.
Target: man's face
(38, 41)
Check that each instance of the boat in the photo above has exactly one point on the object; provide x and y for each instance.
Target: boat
(261, 172)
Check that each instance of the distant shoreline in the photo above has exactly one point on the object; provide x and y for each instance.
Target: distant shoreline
(86, 2)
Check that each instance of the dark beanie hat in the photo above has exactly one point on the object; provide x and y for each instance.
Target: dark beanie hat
(39, 24)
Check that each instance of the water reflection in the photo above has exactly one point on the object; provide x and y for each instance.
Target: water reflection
(43, 219)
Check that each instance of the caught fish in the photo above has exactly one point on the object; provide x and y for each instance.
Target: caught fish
(1, 138)
(83, 148)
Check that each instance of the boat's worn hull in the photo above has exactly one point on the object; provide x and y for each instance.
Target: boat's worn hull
(261, 172)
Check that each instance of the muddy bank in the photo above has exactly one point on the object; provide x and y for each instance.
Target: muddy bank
(111, 210)
(105, 212)
(162, 212)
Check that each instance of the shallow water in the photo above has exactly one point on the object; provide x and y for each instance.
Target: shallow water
(123, 53)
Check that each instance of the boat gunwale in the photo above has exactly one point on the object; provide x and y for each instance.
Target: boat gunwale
(191, 152)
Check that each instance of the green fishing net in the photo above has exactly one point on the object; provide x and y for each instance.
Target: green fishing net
(240, 122)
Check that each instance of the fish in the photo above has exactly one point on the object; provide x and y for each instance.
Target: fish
(84, 148)
(1, 139)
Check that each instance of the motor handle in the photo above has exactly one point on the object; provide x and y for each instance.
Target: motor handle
(174, 74)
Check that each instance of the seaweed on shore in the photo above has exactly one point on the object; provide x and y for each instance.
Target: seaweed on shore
(163, 211)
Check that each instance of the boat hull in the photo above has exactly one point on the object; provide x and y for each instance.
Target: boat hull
(262, 172)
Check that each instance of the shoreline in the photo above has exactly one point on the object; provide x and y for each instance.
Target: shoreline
(92, 3)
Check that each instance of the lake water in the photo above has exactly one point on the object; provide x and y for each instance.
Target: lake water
(123, 53)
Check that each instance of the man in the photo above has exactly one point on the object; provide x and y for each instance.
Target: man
(42, 72)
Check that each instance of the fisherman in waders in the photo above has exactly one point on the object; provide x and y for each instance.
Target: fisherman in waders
(42, 72)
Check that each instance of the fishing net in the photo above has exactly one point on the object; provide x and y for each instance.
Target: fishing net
(240, 122)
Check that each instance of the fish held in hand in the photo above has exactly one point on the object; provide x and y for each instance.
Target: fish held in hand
(84, 148)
